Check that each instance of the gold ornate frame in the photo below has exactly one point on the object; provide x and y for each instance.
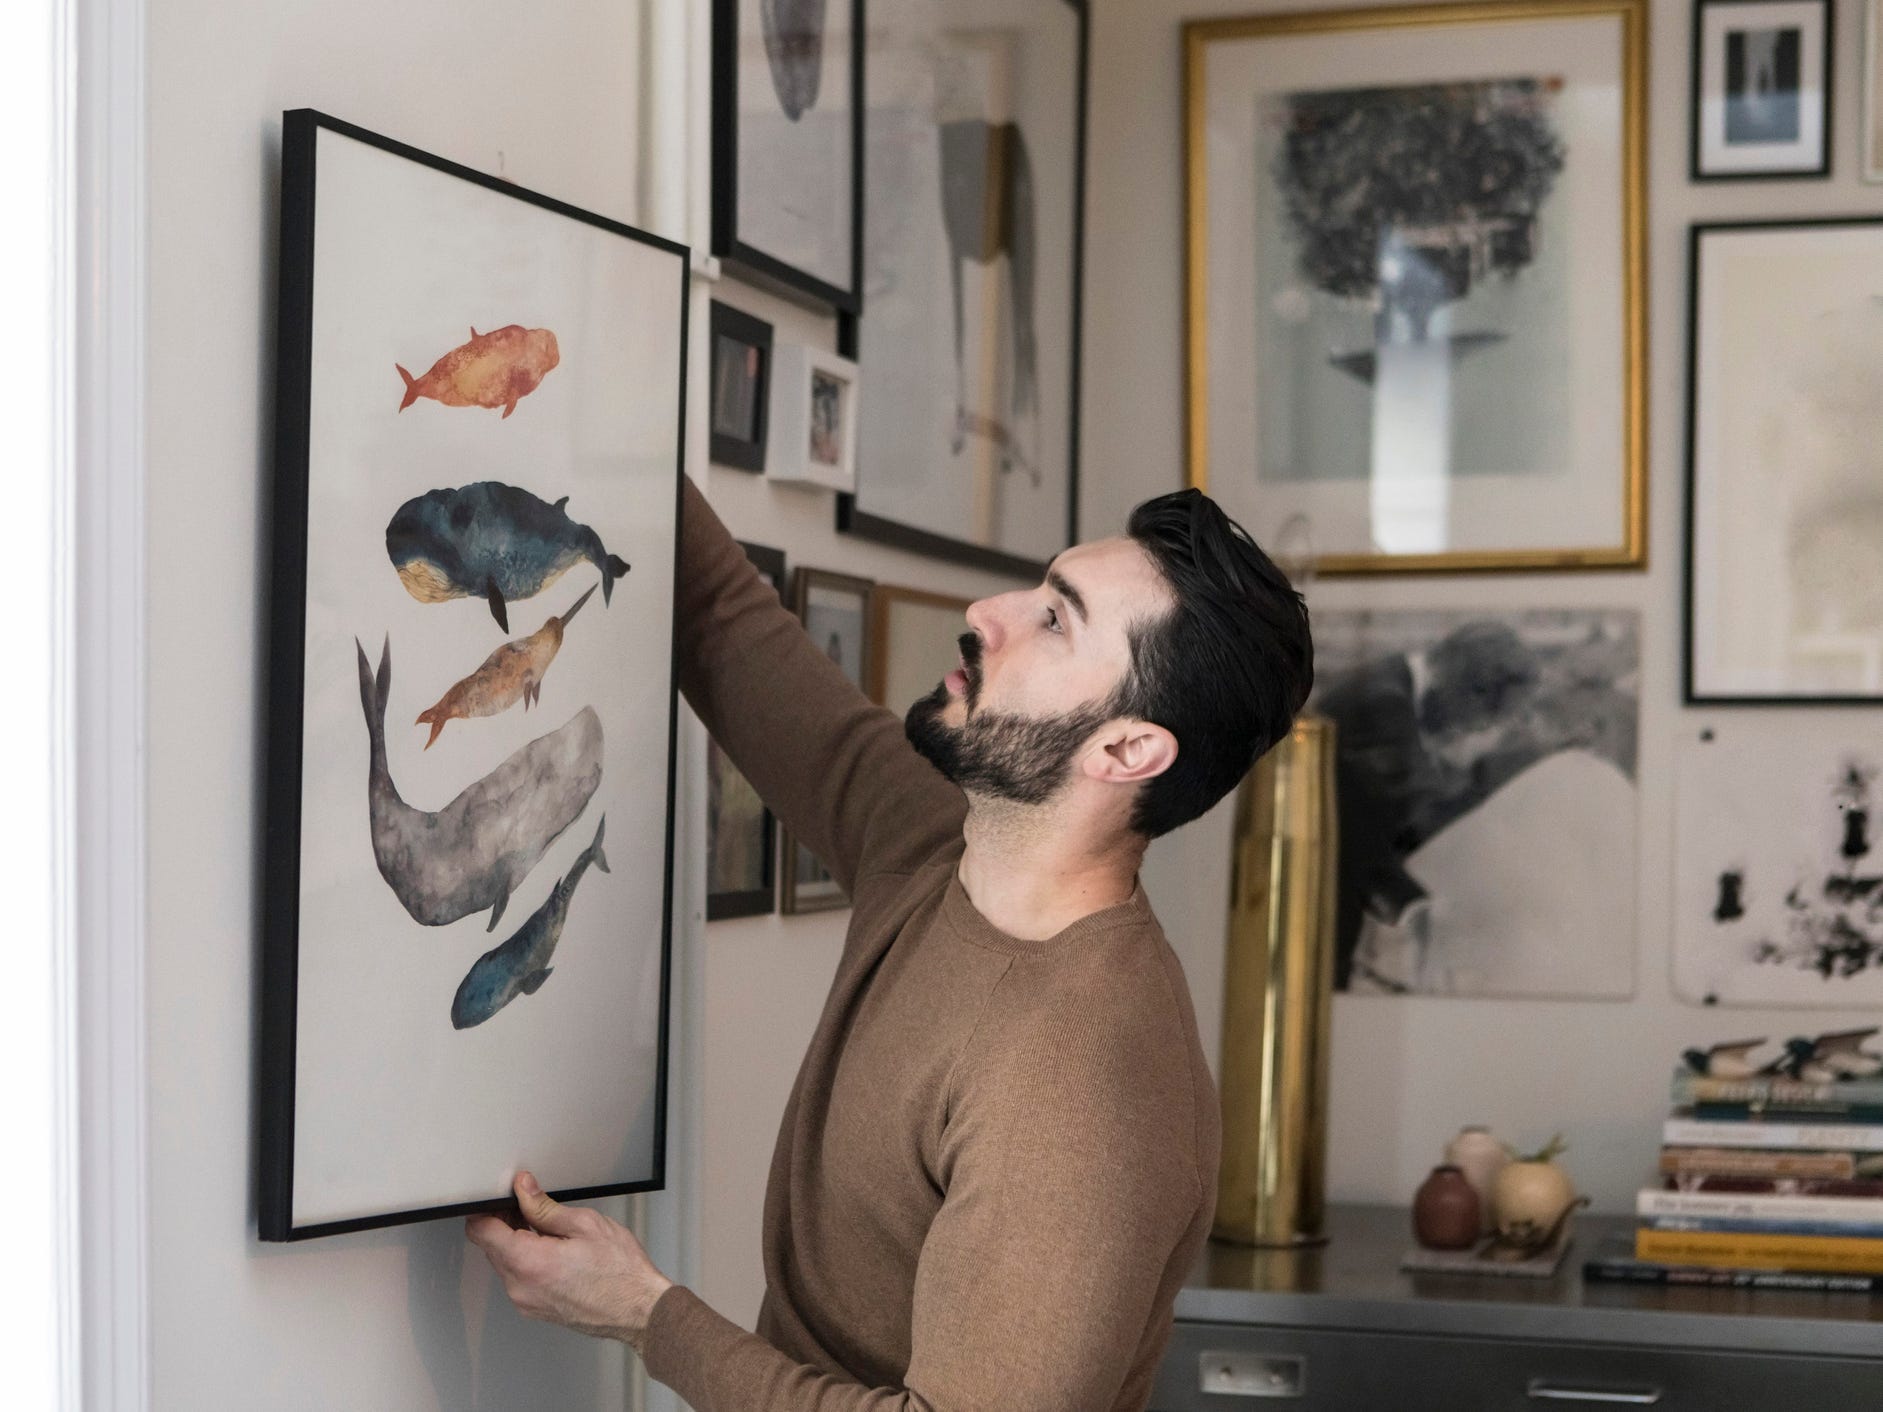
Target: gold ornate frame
(1198, 35)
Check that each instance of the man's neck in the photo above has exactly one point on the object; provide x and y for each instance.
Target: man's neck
(1032, 879)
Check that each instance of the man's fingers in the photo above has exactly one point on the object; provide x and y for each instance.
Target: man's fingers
(491, 1234)
(543, 1214)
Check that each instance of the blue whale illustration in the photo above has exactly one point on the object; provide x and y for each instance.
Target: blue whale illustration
(521, 964)
(491, 541)
(473, 853)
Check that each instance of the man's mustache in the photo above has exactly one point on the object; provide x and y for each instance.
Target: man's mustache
(970, 645)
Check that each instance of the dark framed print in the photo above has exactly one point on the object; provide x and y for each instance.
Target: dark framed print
(1437, 375)
(974, 148)
(1761, 89)
(741, 372)
(1784, 505)
(787, 145)
(835, 611)
(469, 842)
(914, 642)
(740, 830)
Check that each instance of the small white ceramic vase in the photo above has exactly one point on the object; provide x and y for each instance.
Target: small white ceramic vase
(1480, 1157)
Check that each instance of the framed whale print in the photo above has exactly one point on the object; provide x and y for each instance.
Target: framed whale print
(471, 703)
(974, 153)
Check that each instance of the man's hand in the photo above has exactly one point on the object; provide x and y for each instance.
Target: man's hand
(571, 1266)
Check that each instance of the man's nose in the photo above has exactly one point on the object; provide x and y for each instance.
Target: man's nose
(984, 619)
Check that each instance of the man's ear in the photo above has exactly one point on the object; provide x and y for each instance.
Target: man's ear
(1129, 752)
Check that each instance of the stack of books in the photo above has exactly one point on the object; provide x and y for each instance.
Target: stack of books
(1765, 1181)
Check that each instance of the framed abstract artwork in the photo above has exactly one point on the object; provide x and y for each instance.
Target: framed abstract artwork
(740, 830)
(814, 409)
(914, 642)
(741, 373)
(974, 150)
(1761, 89)
(1485, 779)
(835, 611)
(1415, 282)
(1784, 506)
(787, 145)
(471, 698)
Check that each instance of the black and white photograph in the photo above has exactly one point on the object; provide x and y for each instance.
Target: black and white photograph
(740, 388)
(1416, 367)
(974, 144)
(1779, 863)
(1761, 89)
(787, 168)
(740, 830)
(835, 611)
(1485, 782)
(1785, 507)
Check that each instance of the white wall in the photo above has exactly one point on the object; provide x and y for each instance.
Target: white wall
(400, 1319)
(1408, 1072)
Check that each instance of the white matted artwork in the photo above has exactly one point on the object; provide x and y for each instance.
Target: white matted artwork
(1485, 780)
(472, 708)
(1762, 88)
(814, 401)
(1785, 501)
(1778, 862)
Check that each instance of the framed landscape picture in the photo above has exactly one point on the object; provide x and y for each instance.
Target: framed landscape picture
(740, 830)
(967, 447)
(1761, 89)
(1416, 314)
(1784, 503)
(471, 711)
(787, 145)
(835, 611)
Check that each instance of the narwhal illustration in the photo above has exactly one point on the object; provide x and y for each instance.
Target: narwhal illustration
(472, 853)
(521, 964)
(513, 673)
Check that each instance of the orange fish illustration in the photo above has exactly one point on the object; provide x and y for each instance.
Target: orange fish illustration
(513, 673)
(494, 369)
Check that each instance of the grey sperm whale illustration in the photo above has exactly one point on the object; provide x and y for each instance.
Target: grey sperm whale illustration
(473, 853)
(521, 964)
(491, 541)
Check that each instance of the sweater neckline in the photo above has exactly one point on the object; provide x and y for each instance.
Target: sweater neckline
(961, 913)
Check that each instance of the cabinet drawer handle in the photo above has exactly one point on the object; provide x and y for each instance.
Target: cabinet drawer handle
(1543, 1390)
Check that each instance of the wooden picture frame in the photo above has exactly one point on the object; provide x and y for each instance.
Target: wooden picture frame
(905, 621)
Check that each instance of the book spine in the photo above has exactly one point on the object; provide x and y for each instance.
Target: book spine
(1751, 1162)
(1742, 1225)
(1648, 1272)
(1867, 1187)
(1689, 1087)
(1829, 1110)
(1835, 1137)
(1855, 1210)
(1811, 1254)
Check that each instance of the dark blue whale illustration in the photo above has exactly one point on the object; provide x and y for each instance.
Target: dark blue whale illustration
(491, 541)
(521, 964)
(474, 852)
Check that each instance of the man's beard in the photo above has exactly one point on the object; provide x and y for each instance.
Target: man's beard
(1024, 759)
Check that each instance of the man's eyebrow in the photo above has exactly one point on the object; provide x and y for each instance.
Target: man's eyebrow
(1059, 584)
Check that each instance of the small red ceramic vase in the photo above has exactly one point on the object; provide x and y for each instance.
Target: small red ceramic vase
(1445, 1211)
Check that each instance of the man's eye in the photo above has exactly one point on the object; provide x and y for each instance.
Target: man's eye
(1052, 621)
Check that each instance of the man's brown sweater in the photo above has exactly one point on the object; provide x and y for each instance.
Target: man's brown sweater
(998, 1161)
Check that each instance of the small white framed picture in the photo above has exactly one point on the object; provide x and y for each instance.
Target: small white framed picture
(813, 418)
(1761, 89)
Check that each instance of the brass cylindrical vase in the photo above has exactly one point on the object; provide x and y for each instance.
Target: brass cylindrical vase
(1277, 995)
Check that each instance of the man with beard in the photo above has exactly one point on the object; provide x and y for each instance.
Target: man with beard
(999, 1159)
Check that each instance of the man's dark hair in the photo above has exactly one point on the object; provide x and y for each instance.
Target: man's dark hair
(1225, 670)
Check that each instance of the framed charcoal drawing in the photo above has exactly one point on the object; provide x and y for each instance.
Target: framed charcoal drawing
(471, 700)
(835, 611)
(1784, 506)
(914, 643)
(787, 145)
(1761, 89)
(974, 157)
(740, 830)
(1441, 374)
(1778, 871)
(1485, 778)
(741, 365)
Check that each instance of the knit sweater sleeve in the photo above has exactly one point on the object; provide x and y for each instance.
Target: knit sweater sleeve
(1070, 1183)
(838, 770)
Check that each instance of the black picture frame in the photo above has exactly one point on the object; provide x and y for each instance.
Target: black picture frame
(732, 240)
(852, 518)
(281, 847)
(746, 330)
(723, 904)
(1691, 693)
(1695, 160)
